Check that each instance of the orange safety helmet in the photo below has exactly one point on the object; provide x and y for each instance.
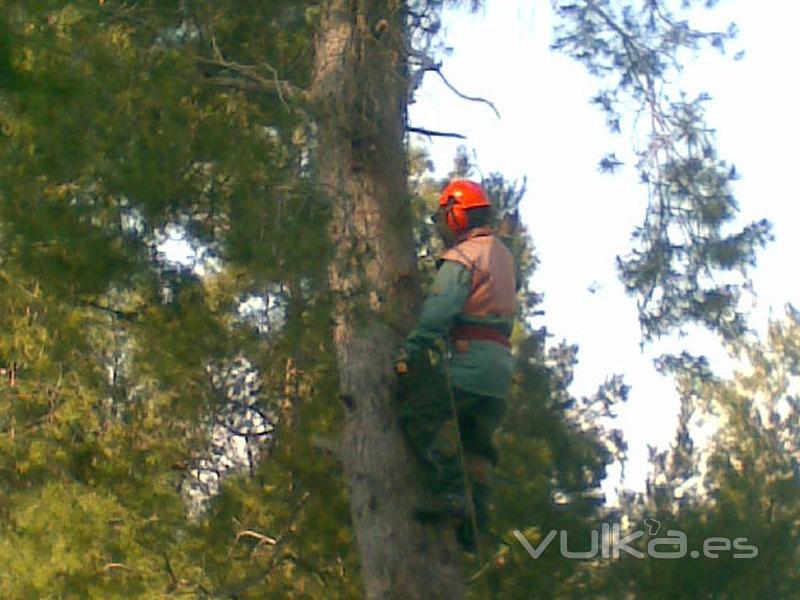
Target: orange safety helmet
(458, 197)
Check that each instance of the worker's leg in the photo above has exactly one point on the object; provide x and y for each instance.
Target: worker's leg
(427, 420)
(478, 418)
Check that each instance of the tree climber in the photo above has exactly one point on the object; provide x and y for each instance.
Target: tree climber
(458, 358)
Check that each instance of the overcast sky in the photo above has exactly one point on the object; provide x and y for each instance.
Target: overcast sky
(579, 219)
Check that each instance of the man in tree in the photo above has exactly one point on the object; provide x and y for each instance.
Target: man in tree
(458, 360)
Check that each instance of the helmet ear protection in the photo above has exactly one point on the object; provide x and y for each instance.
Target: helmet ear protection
(456, 215)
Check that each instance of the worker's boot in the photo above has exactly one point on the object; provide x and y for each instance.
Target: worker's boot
(466, 535)
(446, 506)
(451, 508)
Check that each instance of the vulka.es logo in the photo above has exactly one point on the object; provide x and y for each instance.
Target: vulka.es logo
(608, 544)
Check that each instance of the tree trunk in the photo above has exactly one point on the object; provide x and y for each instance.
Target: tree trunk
(359, 94)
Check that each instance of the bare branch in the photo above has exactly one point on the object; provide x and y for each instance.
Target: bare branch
(497, 561)
(12, 281)
(327, 445)
(277, 87)
(430, 133)
(120, 314)
(120, 566)
(259, 576)
(236, 83)
(174, 583)
(424, 63)
(464, 96)
(252, 79)
(262, 539)
(244, 433)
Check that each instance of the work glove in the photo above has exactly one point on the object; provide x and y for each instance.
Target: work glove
(416, 361)
(401, 363)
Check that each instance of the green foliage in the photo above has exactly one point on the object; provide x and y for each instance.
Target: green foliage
(555, 450)
(123, 121)
(684, 251)
(116, 128)
(744, 485)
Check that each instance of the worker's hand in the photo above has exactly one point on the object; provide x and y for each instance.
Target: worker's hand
(401, 363)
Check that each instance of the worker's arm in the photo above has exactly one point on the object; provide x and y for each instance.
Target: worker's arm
(449, 292)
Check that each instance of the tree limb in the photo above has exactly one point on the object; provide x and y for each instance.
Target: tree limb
(280, 541)
(331, 447)
(497, 561)
(120, 314)
(11, 281)
(253, 80)
(237, 83)
(262, 539)
(280, 88)
(174, 583)
(115, 565)
(430, 133)
(464, 96)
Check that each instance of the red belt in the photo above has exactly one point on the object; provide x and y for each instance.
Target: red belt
(479, 332)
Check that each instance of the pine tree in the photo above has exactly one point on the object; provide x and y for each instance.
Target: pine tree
(745, 481)
(679, 271)
(269, 139)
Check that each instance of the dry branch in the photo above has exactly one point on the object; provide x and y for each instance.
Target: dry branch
(464, 96)
(431, 133)
(280, 541)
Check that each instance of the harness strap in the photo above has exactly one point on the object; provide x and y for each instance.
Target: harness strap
(479, 332)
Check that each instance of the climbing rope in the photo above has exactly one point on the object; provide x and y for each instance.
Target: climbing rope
(462, 459)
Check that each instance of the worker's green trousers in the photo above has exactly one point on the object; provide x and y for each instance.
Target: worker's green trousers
(432, 432)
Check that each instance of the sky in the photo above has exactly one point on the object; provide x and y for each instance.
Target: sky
(580, 220)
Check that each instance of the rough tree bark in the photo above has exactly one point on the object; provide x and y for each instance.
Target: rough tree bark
(359, 93)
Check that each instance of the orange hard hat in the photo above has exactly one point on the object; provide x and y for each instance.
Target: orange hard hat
(457, 198)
